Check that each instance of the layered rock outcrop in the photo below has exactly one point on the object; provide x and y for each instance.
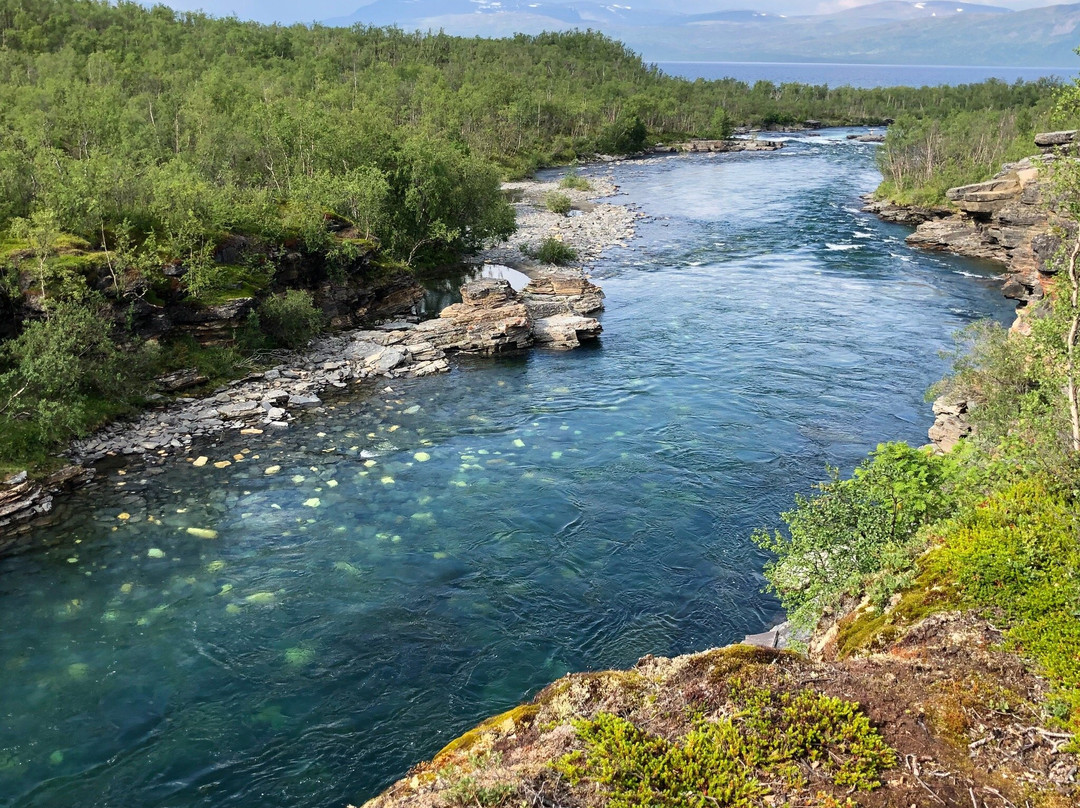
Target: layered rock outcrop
(493, 318)
(1004, 219)
(1008, 219)
(27, 503)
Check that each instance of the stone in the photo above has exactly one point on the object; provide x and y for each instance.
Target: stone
(1048, 140)
(564, 332)
(202, 533)
(201, 461)
(386, 360)
(180, 380)
(302, 401)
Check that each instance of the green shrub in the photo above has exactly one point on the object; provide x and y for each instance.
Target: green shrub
(732, 761)
(856, 529)
(290, 320)
(1016, 556)
(558, 203)
(575, 182)
(552, 251)
(59, 376)
(626, 136)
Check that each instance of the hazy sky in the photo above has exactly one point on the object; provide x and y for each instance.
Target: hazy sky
(289, 11)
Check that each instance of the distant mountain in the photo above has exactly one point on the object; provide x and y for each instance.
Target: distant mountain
(889, 32)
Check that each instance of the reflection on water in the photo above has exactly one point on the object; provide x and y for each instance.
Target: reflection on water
(300, 627)
(442, 288)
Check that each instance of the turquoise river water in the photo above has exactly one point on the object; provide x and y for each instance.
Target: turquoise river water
(434, 551)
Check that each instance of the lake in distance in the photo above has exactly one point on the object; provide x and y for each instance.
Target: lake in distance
(861, 75)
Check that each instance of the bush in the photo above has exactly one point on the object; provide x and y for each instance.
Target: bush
(625, 136)
(558, 203)
(856, 529)
(740, 758)
(59, 376)
(552, 251)
(1016, 557)
(290, 320)
(575, 182)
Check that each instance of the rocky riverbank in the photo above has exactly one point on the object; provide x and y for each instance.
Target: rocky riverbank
(1007, 220)
(590, 227)
(553, 311)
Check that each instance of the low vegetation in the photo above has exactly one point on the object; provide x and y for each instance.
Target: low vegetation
(289, 320)
(730, 761)
(575, 182)
(551, 251)
(558, 203)
(992, 527)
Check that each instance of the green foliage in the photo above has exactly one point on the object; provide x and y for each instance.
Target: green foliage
(1016, 389)
(552, 251)
(57, 377)
(923, 157)
(854, 529)
(575, 182)
(558, 203)
(721, 126)
(1016, 556)
(625, 136)
(772, 738)
(467, 792)
(290, 320)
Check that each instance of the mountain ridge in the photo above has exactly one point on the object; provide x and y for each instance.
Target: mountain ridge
(891, 31)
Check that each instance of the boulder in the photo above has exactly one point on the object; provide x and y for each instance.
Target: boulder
(1050, 140)
(951, 423)
(569, 290)
(180, 380)
(490, 319)
(565, 331)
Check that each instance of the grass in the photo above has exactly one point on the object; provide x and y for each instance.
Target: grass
(575, 182)
(552, 251)
(558, 203)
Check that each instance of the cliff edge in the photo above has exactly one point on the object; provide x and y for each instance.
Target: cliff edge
(935, 715)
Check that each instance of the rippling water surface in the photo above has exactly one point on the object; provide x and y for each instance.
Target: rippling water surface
(433, 551)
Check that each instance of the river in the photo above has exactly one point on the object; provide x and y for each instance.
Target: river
(433, 551)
